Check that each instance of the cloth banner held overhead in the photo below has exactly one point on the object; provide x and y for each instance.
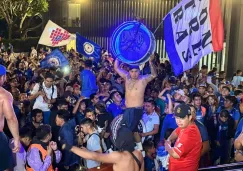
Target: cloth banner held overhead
(54, 59)
(193, 29)
(54, 35)
(87, 47)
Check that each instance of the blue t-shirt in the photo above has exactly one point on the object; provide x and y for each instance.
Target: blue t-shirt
(114, 109)
(203, 131)
(169, 122)
(200, 114)
(149, 164)
(233, 112)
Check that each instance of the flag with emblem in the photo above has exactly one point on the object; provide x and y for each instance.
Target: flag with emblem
(54, 35)
(54, 59)
(87, 47)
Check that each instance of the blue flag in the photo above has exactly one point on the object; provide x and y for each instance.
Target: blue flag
(54, 59)
(87, 47)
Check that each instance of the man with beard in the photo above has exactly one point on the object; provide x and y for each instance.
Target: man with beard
(36, 120)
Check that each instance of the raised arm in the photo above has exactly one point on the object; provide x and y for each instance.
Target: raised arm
(170, 103)
(153, 74)
(120, 71)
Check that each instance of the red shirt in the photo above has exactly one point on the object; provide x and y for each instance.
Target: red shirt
(188, 146)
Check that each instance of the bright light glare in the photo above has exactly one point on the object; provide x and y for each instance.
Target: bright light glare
(66, 70)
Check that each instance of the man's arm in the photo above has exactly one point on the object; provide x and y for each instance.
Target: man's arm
(11, 119)
(171, 151)
(205, 148)
(172, 138)
(112, 158)
(153, 74)
(155, 131)
(120, 71)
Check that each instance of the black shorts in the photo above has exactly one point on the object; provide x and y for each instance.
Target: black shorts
(131, 118)
(6, 155)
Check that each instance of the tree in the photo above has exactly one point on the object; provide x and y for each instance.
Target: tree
(21, 13)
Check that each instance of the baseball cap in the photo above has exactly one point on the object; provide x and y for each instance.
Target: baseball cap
(181, 92)
(182, 110)
(2, 70)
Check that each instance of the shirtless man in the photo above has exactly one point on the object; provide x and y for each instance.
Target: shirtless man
(135, 85)
(125, 159)
(6, 111)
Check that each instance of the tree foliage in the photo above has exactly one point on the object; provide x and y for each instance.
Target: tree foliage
(21, 13)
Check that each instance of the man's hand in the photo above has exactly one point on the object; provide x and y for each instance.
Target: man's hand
(238, 156)
(16, 146)
(151, 59)
(142, 134)
(49, 150)
(167, 145)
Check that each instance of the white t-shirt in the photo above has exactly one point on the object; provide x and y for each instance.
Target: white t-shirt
(93, 144)
(39, 102)
(150, 121)
(236, 80)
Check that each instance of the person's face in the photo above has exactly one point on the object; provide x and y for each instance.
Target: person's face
(197, 101)
(117, 97)
(211, 101)
(134, 73)
(107, 86)
(186, 91)
(95, 100)
(14, 83)
(228, 103)
(48, 82)
(204, 71)
(76, 91)
(21, 66)
(152, 151)
(183, 122)
(154, 94)
(223, 119)
(83, 106)
(177, 96)
(201, 90)
(90, 115)
(26, 141)
(59, 121)
(240, 74)
(23, 97)
(97, 111)
(85, 128)
(119, 80)
(193, 112)
(38, 118)
(149, 108)
(210, 90)
(225, 92)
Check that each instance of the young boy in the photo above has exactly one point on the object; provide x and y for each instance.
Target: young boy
(20, 157)
(150, 156)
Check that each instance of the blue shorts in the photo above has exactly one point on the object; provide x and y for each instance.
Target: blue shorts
(131, 118)
(6, 157)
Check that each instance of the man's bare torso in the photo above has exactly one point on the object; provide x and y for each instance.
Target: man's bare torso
(127, 162)
(135, 92)
(3, 96)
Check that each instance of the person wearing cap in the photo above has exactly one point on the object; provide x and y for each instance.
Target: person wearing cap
(135, 85)
(185, 154)
(126, 159)
(7, 112)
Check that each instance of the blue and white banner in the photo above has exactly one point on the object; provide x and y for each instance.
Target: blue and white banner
(87, 47)
(192, 29)
(54, 59)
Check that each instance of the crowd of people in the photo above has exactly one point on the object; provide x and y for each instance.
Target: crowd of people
(98, 111)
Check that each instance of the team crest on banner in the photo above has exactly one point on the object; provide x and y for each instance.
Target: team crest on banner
(88, 48)
(193, 29)
(54, 59)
